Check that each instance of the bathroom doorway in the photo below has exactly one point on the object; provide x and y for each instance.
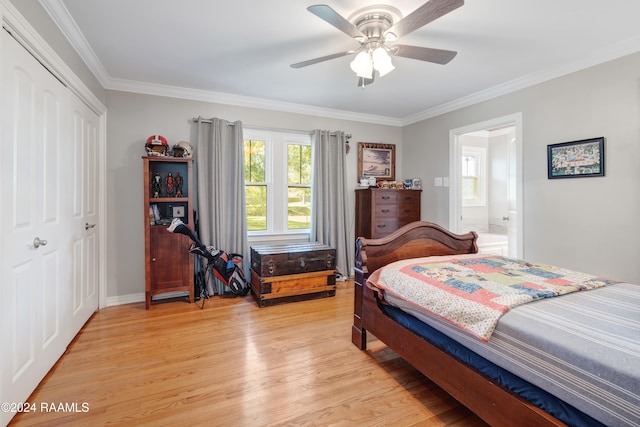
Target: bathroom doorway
(486, 184)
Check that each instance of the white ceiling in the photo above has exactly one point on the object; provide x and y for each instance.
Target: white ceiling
(238, 52)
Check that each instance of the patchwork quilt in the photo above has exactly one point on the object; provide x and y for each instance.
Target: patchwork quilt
(472, 291)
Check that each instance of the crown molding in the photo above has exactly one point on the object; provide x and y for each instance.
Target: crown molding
(65, 22)
(601, 56)
(69, 28)
(245, 101)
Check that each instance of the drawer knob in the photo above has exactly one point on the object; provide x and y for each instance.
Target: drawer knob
(385, 197)
(385, 210)
(382, 225)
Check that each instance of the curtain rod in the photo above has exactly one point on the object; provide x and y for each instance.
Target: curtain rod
(272, 129)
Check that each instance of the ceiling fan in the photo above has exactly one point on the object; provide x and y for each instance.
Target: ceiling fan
(374, 27)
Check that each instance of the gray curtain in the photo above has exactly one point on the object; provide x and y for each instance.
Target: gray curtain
(329, 224)
(219, 161)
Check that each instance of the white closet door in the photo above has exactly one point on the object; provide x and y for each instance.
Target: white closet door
(35, 291)
(84, 189)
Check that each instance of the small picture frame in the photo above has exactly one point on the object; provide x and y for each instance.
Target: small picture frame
(178, 211)
(416, 184)
(377, 160)
(576, 159)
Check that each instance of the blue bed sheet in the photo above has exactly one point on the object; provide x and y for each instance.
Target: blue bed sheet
(549, 403)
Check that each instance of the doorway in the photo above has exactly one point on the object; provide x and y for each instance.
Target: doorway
(485, 193)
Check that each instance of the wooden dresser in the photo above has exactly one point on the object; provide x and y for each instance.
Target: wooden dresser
(382, 211)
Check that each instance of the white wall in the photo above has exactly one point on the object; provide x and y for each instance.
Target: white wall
(133, 117)
(588, 224)
(498, 197)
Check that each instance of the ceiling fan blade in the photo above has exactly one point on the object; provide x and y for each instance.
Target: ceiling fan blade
(321, 59)
(430, 11)
(437, 56)
(329, 15)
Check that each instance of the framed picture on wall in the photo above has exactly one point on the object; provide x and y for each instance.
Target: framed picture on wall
(377, 160)
(576, 159)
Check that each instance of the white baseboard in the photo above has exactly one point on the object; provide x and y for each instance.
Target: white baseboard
(125, 299)
(131, 298)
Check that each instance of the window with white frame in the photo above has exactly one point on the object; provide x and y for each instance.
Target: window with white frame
(277, 172)
(473, 169)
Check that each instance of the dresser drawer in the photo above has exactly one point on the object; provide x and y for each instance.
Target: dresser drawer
(408, 212)
(385, 196)
(382, 227)
(389, 210)
(380, 212)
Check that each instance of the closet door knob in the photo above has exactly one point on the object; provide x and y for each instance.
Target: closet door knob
(37, 242)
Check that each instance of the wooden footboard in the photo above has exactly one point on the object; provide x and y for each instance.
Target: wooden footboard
(489, 400)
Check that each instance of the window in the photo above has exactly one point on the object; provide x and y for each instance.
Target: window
(473, 176)
(277, 174)
(255, 183)
(299, 180)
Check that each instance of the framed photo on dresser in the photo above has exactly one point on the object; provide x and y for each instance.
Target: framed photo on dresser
(377, 160)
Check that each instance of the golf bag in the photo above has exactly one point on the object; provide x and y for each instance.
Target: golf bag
(225, 266)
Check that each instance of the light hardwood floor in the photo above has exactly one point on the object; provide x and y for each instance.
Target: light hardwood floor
(234, 364)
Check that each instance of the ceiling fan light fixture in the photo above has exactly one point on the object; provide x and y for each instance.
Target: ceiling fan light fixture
(362, 65)
(382, 61)
(376, 25)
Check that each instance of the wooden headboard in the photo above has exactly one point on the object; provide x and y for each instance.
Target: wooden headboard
(418, 239)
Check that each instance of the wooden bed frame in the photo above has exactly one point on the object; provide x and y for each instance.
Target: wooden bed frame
(489, 400)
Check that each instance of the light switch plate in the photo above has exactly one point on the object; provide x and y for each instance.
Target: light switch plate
(438, 181)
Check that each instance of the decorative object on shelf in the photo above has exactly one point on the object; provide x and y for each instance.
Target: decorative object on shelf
(576, 159)
(156, 214)
(152, 218)
(183, 149)
(169, 182)
(157, 145)
(377, 161)
(416, 184)
(179, 182)
(156, 186)
(177, 211)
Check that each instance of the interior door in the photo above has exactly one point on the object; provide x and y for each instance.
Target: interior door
(84, 186)
(512, 185)
(35, 265)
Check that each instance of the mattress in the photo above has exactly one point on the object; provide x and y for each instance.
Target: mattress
(583, 348)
